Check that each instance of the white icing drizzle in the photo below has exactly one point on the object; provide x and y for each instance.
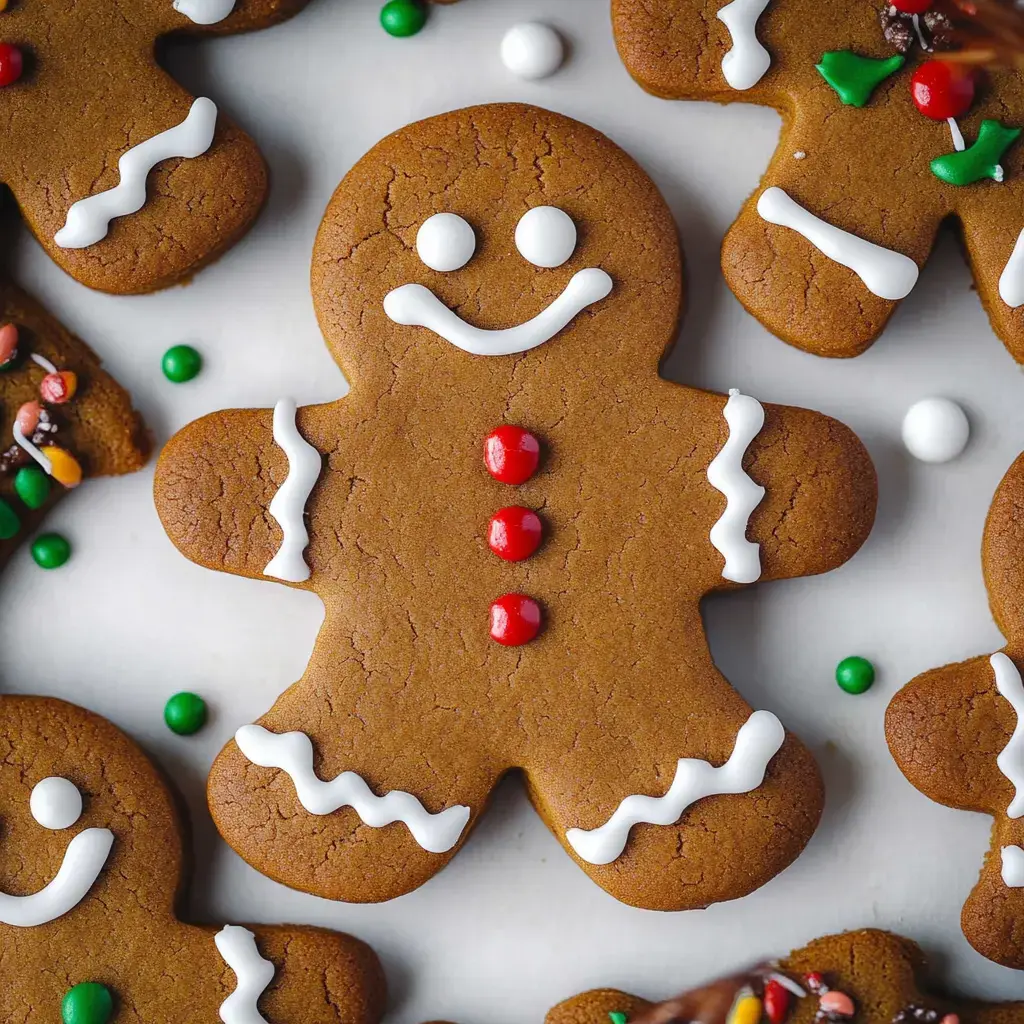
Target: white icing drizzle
(413, 305)
(1011, 760)
(916, 19)
(292, 752)
(958, 136)
(757, 742)
(288, 506)
(43, 362)
(204, 12)
(88, 220)
(83, 861)
(23, 442)
(746, 63)
(1011, 280)
(745, 417)
(1013, 867)
(885, 273)
(237, 947)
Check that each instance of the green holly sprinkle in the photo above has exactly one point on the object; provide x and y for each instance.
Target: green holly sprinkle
(32, 486)
(980, 160)
(617, 1017)
(10, 524)
(855, 78)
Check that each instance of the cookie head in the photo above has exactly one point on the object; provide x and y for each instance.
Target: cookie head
(493, 232)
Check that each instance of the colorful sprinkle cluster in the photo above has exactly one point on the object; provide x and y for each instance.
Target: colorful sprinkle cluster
(833, 1006)
(917, 1014)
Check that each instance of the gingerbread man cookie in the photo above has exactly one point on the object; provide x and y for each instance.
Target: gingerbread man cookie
(957, 733)
(61, 417)
(881, 142)
(129, 183)
(90, 867)
(512, 520)
(866, 977)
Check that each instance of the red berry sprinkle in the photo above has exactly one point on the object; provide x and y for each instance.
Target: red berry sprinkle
(912, 6)
(515, 620)
(514, 533)
(941, 89)
(816, 983)
(511, 454)
(57, 388)
(11, 64)
(776, 1001)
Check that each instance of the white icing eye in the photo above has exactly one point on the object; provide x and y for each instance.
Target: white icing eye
(546, 236)
(445, 242)
(55, 803)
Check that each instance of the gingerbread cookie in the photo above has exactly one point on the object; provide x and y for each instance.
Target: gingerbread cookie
(512, 520)
(957, 733)
(129, 183)
(90, 869)
(866, 977)
(61, 417)
(881, 142)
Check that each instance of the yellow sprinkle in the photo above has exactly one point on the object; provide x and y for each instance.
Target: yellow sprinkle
(64, 466)
(746, 1011)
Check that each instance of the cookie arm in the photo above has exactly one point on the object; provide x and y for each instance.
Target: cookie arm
(215, 484)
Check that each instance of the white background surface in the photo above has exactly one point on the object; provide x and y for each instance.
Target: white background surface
(512, 926)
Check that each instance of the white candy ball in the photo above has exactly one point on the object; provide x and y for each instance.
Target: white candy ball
(532, 50)
(55, 803)
(935, 430)
(445, 242)
(546, 236)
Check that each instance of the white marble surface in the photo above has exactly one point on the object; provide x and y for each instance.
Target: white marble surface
(512, 926)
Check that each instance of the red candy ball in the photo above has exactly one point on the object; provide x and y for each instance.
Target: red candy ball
(911, 6)
(514, 533)
(11, 64)
(515, 620)
(942, 90)
(511, 454)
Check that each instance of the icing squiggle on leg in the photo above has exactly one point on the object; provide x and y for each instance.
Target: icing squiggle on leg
(292, 753)
(204, 12)
(757, 742)
(1013, 867)
(288, 506)
(1011, 759)
(745, 417)
(887, 274)
(88, 220)
(237, 947)
(746, 63)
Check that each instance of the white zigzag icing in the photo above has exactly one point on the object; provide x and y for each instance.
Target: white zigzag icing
(237, 946)
(746, 63)
(757, 742)
(745, 417)
(292, 752)
(88, 220)
(1011, 760)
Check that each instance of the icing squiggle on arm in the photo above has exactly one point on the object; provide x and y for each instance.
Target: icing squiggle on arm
(237, 947)
(288, 506)
(746, 63)
(885, 273)
(1011, 760)
(745, 417)
(204, 12)
(757, 742)
(1011, 280)
(1013, 867)
(292, 753)
(88, 220)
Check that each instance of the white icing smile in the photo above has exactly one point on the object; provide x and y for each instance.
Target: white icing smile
(546, 236)
(56, 804)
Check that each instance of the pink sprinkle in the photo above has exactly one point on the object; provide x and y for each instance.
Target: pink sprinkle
(837, 1002)
(8, 343)
(28, 418)
(950, 1018)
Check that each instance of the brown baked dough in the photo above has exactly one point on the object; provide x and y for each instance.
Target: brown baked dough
(864, 170)
(92, 89)
(406, 688)
(125, 934)
(947, 727)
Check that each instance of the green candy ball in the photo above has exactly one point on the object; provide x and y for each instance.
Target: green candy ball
(855, 675)
(50, 550)
(32, 485)
(403, 18)
(181, 363)
(10, 524)
(185, 713)
(87, 1003)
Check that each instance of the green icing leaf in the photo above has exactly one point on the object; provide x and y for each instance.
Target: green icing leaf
(617, 1017)
(981, 160)
(855, 78)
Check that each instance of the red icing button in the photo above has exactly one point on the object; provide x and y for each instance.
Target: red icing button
(514, 533)
(912, 6)
(941, 89)
(11, 64)
(515, 620)
(511, 454)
